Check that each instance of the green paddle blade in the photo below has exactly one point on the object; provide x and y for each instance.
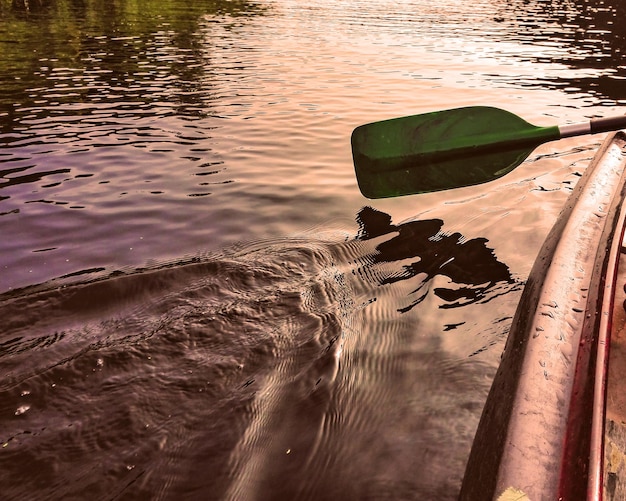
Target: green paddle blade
(442, 150)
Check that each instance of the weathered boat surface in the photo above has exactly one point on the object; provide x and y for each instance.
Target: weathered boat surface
(615, 429)
(541, 433)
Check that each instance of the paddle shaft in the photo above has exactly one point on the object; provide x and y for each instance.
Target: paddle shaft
(594, 126)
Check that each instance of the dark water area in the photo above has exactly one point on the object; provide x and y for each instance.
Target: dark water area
(196, 300)
(258, 374)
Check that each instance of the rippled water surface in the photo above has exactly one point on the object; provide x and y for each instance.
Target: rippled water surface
(197, 301)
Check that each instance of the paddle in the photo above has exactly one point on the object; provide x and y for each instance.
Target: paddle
(451, 149)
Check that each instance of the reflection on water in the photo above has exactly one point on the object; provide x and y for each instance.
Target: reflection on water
(286, 351)
(120, 56)
(584, 40)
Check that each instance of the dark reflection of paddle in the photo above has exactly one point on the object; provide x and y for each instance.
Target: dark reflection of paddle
(469, 263)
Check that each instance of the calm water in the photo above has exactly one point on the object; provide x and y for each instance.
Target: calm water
(198, 303)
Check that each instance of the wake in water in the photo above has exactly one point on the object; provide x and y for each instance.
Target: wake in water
(293, 369)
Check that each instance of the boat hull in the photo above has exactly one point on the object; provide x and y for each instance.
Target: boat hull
(541, 431)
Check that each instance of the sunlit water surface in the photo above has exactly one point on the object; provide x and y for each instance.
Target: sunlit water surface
(197, 301)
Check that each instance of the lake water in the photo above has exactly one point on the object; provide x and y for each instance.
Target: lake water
(197, 301)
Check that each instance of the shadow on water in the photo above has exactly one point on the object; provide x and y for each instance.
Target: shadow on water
(468, 263)
(278, 370)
